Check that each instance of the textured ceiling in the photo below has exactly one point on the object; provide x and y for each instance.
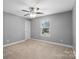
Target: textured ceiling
(46, 6)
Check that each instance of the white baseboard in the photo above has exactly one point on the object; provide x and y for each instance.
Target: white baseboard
(6, 45)
(60, 44)
(38, 40)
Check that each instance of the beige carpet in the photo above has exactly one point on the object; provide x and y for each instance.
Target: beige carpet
(32, 49)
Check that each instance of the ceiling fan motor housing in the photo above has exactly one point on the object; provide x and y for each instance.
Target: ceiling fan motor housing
(33, 9)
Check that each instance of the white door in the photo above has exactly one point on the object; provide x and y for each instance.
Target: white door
(27, 29)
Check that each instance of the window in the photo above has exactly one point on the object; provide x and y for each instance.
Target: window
(45, 28)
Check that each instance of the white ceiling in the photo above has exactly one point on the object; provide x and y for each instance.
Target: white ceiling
(46, 6)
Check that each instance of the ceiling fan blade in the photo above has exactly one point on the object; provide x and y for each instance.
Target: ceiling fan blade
(26, 14)
(25, 10)
(39, 13)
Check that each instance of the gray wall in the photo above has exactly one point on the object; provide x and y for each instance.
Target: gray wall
(74, 26)
(61, 28)
(13, 28)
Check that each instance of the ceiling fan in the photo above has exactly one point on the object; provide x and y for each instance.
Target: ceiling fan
(32, 11)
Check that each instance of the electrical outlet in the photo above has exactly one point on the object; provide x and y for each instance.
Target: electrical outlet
(61, 40)
(8, 40)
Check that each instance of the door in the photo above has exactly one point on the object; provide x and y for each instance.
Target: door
(27, 29)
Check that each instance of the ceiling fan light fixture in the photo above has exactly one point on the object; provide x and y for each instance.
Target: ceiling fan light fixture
(32, 15)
